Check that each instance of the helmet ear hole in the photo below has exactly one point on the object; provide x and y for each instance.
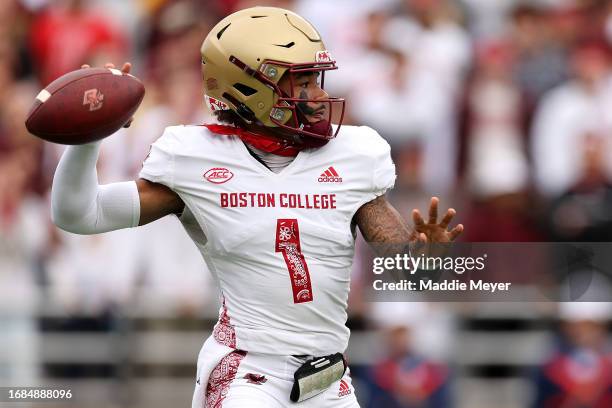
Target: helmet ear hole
(245, 89)
(241, 109)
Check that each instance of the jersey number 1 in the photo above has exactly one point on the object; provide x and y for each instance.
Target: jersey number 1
(288, 243)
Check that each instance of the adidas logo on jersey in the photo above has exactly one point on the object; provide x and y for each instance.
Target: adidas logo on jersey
(344, 389)
(330, 176)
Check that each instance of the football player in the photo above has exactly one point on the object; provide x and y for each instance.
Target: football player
(271, 196)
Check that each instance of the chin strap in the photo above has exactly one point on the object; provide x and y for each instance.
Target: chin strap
(267, 143)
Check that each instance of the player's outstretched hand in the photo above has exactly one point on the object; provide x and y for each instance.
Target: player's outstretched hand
(126, 68)
(432, 231)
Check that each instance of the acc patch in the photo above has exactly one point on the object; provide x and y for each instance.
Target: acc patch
(218, 175)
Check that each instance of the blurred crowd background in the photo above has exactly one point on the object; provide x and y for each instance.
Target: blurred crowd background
(502, 108)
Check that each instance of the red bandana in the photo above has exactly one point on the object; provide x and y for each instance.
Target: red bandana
(263, 142)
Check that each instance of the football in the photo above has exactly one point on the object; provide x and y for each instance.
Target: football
(85, 105)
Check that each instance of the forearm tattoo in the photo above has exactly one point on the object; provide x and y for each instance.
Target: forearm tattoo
(380, 223)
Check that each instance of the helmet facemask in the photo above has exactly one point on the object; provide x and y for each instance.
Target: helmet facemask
(293, 114)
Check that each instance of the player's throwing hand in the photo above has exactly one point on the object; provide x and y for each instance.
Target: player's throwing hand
(432, 231)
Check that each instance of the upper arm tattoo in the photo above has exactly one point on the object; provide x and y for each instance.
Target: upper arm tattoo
(380, 223)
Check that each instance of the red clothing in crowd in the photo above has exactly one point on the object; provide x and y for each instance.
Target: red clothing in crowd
(63, 40)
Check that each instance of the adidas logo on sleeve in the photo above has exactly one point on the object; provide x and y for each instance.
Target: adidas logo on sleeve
(330, 176)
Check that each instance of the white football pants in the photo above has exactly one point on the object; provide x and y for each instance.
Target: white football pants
(230, 378)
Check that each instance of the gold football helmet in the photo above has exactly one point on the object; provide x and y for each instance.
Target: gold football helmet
(248, 52)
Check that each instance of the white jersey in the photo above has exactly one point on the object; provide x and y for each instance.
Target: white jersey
(279, 245)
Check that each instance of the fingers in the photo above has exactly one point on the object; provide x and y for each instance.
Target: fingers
(450, 213)
(126, 68)
(417, 218)
(418, 237)
(433, 210)
(455, 232)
